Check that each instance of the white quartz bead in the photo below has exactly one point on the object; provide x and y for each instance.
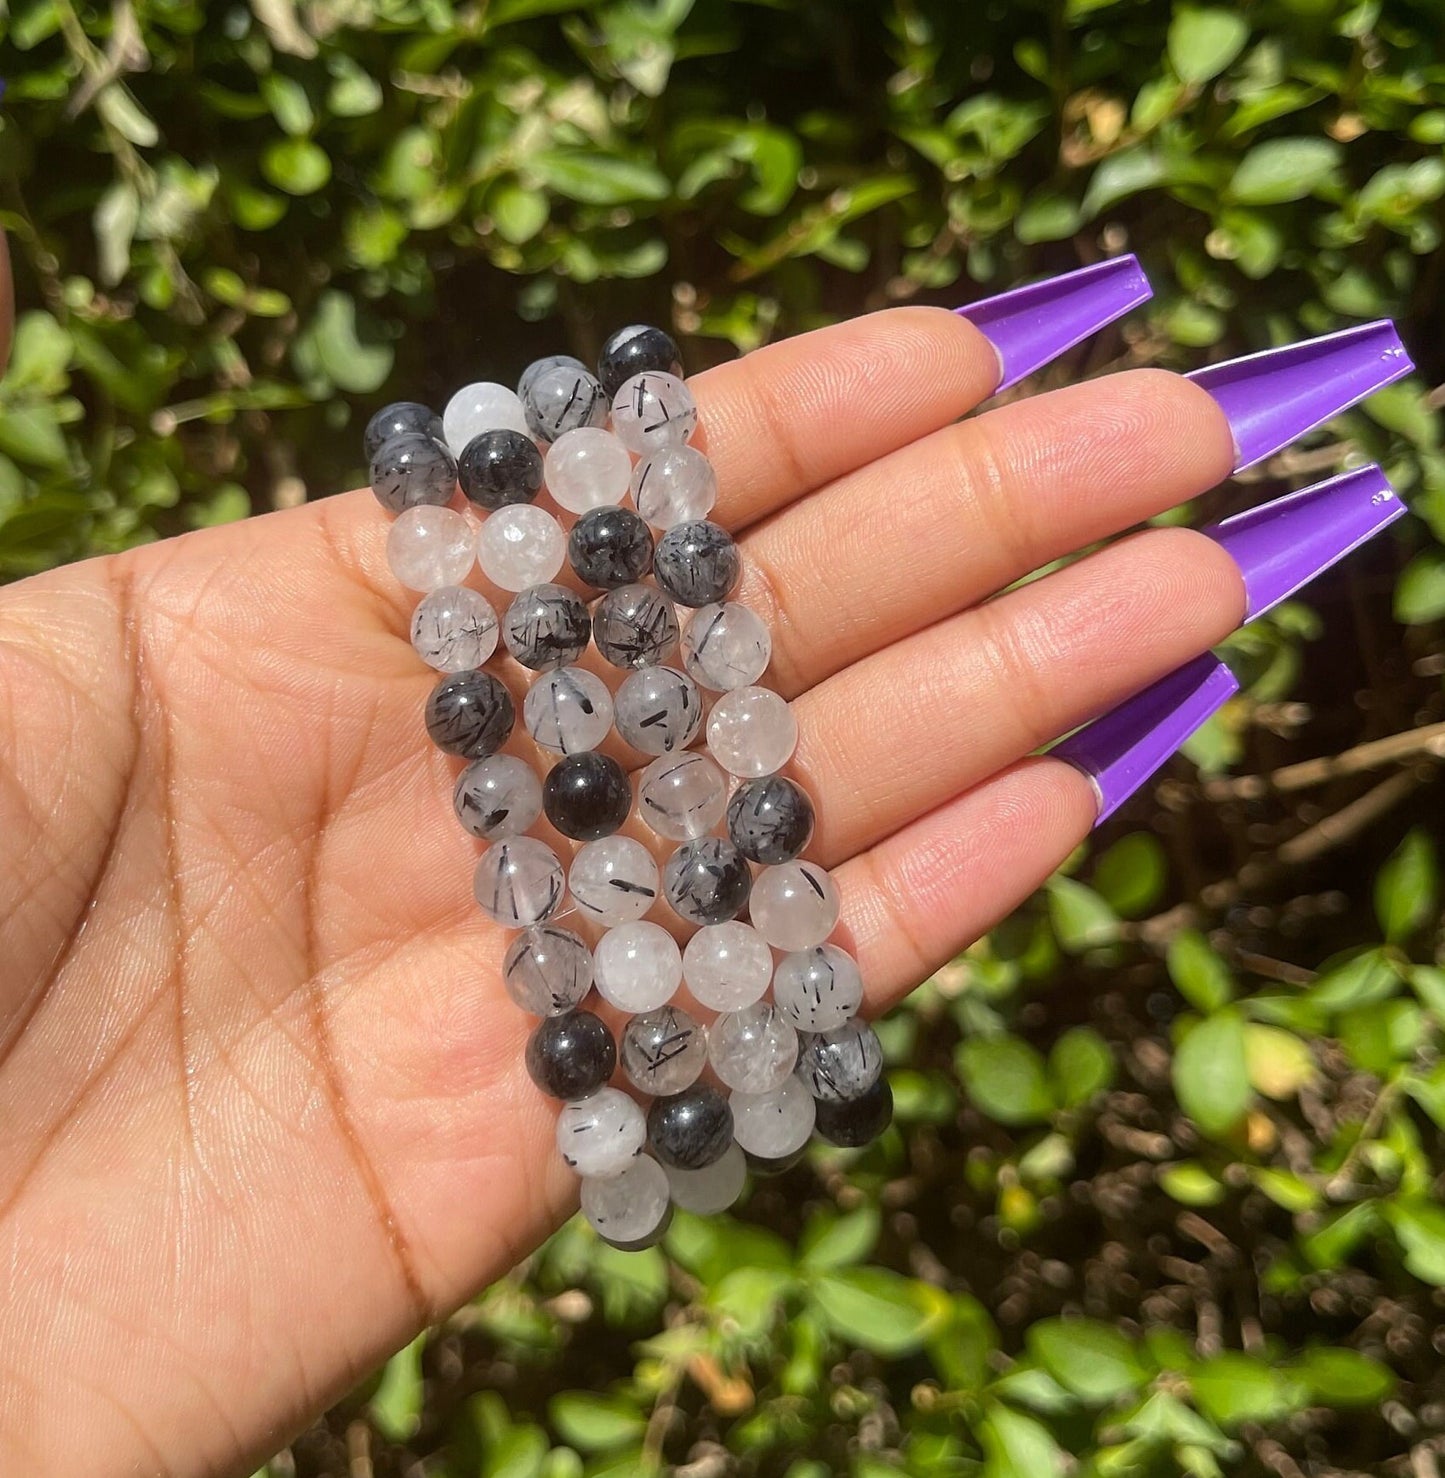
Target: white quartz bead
(628, 1206)
(794, 905)
(682, 796)
(663, 1051)
(775, 1123)
(712, 1189)
(587, 468)
(818, 989)
(653, 410)
(601, 1134)
(497, 797)
(484, 406)
(637, 967)
(753, 1050)
(727, 966)
(675, 485)
(429, 547)
(519, 882)
(613, 880)
(520, 545)
(725, 646)
(751, 732)
(454, 629)
(568, 710)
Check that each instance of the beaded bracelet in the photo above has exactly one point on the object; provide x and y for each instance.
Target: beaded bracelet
(779, 1067)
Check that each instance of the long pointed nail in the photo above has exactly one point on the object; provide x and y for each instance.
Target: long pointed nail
(1281, 546)
(1031, 325)
(1120, 751)
(1273, 398)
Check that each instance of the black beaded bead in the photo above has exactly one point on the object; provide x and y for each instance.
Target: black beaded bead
(770, 820)
(641, 1244)
(572, 1055)
(707, 881)
(690, 1129)
(774, 1164)
(411, 469)
(470, 714)
(610, 547)
(632, 350)
(586, 795)
(500, 467)
(854, 1122)
(398, 419)
(697, 563)
(546, 626)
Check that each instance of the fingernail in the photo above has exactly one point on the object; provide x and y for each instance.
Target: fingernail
(1273, 398)
(1032, 325)
(1281, 546)
(1118, 752)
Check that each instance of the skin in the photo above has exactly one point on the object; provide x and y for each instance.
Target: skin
(263, 1113)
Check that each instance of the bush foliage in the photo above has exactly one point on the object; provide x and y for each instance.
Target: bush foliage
(1163, 1195)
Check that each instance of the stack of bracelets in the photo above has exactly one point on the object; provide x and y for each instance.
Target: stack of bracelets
(786, 1065)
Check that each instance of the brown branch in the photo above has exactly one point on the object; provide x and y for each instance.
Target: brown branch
(1428, 742)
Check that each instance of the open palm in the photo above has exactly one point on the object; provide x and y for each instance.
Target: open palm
(262, 1105)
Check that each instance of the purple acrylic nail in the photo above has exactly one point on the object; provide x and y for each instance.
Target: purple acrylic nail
(1283, 545)
(1120, 751)
(1031, 325)
(1273, 398)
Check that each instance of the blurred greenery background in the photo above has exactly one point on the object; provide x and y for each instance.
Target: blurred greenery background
(1163, 1192)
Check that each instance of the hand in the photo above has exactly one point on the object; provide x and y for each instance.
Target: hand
(263, 1113)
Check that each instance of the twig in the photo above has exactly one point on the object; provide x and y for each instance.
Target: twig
(1428, 741)
(1334, 830)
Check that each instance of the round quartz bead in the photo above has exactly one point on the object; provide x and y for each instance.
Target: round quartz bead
(497, 797)
(707, 881)
(727, 966)
(454, 628)
(818, 989)
(411, 470)
(658, 710)
(601, 1134)
(854, 1122)
(692, 1128)
(682, 796)
(568, 711)
(519, 882)
(726, 646)
(770, 819)
(794, 906)
(610, 547)
(752, 732)
(633, 350)
(499, 468)
(634, 626)
(588, 468)
(402, 418)
(651, 411)
(613, 880)
(753, 1050)
(637, 967)
(712, 1189)
(520, 546)
(586, 795)
(429, 547)
(546, 626)
(571, 1055)
(481, 407)
(470, 714)
(539, 366)
(563, 399)
(626, 1209)
(697, 563)
(841, 1064)
(673, 486)
(663, 1051)
(774, 1124)
(547, 971)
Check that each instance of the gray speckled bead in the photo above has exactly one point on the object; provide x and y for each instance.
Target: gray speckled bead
(629, 1210)
(540, 366)
(707, 881)
(470, 714)
(633, 349)
(561, 399)
(852, 1123)
(663, 1051)
(497, 797)
(412, 469)
(518, 882)
(601, 1135)
(547, 971)
(676, 484)
(652, 411)
(454, 629)
(658, 710)
(568, 710)
(697, 563)
(609, 548)
(692, 1128)
(613, 880)
(771, 819)
(571, 1055)
(753, 1050)
(635, 626)
(843, 1063)
(400, 418)
(682, 796)
(546, 626)
(499, 468)
(818, 989)
(726, 646)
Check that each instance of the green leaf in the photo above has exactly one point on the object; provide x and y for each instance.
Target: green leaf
(1344, 1377)
(1202, 43)
(832, 1241)
(1405, 887)
(519, 213)
(1081, 1064)
(1369, 976)
(1120, 176)
(1280, 170)
(1081, 918)
(397, 1401)
(1234, 1388)
(1132, 874)
(1093, 1360)
(1284, 1189)
(288, 103)
(878, 1309)
(1420, 1228)
(1047, 217)
(296, 166)
(593, 1422)
(331, 341)
(1279, 1062)
(1420, 590)
(117, 213)
(31, 433)
(1005, 1078)
(517, 1453)
(1211, 1075)
(1017, 1446)
(753, 1298)
(1202, 977)
(599, 179)
(1191, 1184)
